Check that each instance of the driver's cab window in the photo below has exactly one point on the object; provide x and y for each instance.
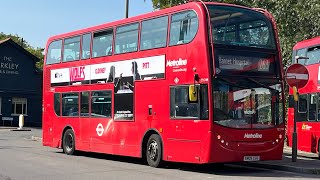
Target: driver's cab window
(180, 106)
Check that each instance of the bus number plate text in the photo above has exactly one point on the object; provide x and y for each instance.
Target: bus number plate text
(251, 158)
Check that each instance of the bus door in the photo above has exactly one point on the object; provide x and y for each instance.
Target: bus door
(186, 124)
(84, 119)
(47, 123)
(125, 136)
(308, 107)
(101, 123)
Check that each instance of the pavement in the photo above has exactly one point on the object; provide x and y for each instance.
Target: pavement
(307, 163)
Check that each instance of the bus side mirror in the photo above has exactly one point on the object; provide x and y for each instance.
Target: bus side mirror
(193, 93)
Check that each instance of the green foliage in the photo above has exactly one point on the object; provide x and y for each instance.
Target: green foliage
(296, 19)
(19, 40)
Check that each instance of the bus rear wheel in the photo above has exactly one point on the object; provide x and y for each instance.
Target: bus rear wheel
(68, 142)
(154, 151)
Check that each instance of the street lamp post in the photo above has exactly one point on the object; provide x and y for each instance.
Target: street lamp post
(127, 8)
(296, 99)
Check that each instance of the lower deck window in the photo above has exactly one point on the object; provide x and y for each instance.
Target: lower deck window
(70, 105)
(101, 104)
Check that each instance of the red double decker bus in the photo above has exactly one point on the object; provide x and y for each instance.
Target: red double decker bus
(308, 118)
(197, 83)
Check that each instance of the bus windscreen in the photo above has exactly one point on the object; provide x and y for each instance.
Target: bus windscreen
(247, 103)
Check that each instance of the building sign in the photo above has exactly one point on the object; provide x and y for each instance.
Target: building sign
(8, 66)
(7, 118)
(242, 63)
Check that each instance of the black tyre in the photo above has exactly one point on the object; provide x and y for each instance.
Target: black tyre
(154, 151)
(68, 142)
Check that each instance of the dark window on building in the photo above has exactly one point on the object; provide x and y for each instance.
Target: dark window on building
(57, 104)
(184, 27)
(180, 107)
(102, 43)
(154, 33)
(0, 105)
(71, 49)
(127, 38)
(70, 104)
(84, 104)
(101, 104)
(54, 52)
(86, 39)
(19, 106)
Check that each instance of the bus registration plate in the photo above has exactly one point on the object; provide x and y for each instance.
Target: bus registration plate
(251, 158)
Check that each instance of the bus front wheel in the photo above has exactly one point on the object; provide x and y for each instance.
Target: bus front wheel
(154, 151)
(68, 143)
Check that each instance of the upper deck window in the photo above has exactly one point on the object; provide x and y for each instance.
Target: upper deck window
(184, 27)
(313, 54)
(154, 33)
(54, 52)
(127, 38)
(241, 27)
(86, 39)
(71, 49)
(102, 43)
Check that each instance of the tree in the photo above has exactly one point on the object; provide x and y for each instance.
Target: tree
(19, 40)
(296, 20)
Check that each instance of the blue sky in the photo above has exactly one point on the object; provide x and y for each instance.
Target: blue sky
(37, 20)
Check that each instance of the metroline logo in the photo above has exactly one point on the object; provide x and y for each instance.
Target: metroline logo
(253, 136)
(174, 63)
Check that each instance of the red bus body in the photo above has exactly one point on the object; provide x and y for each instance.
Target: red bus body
(308, 126)
(194, 140)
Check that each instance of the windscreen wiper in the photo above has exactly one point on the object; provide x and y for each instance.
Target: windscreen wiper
(261, 84)
(231, 83)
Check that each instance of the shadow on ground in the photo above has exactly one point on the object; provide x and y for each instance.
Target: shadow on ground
(227, 169)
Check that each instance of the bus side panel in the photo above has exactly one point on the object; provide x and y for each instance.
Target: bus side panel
(290, 126)
(126, 138)
(151, 108)
(46, 120)
(308, 136)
